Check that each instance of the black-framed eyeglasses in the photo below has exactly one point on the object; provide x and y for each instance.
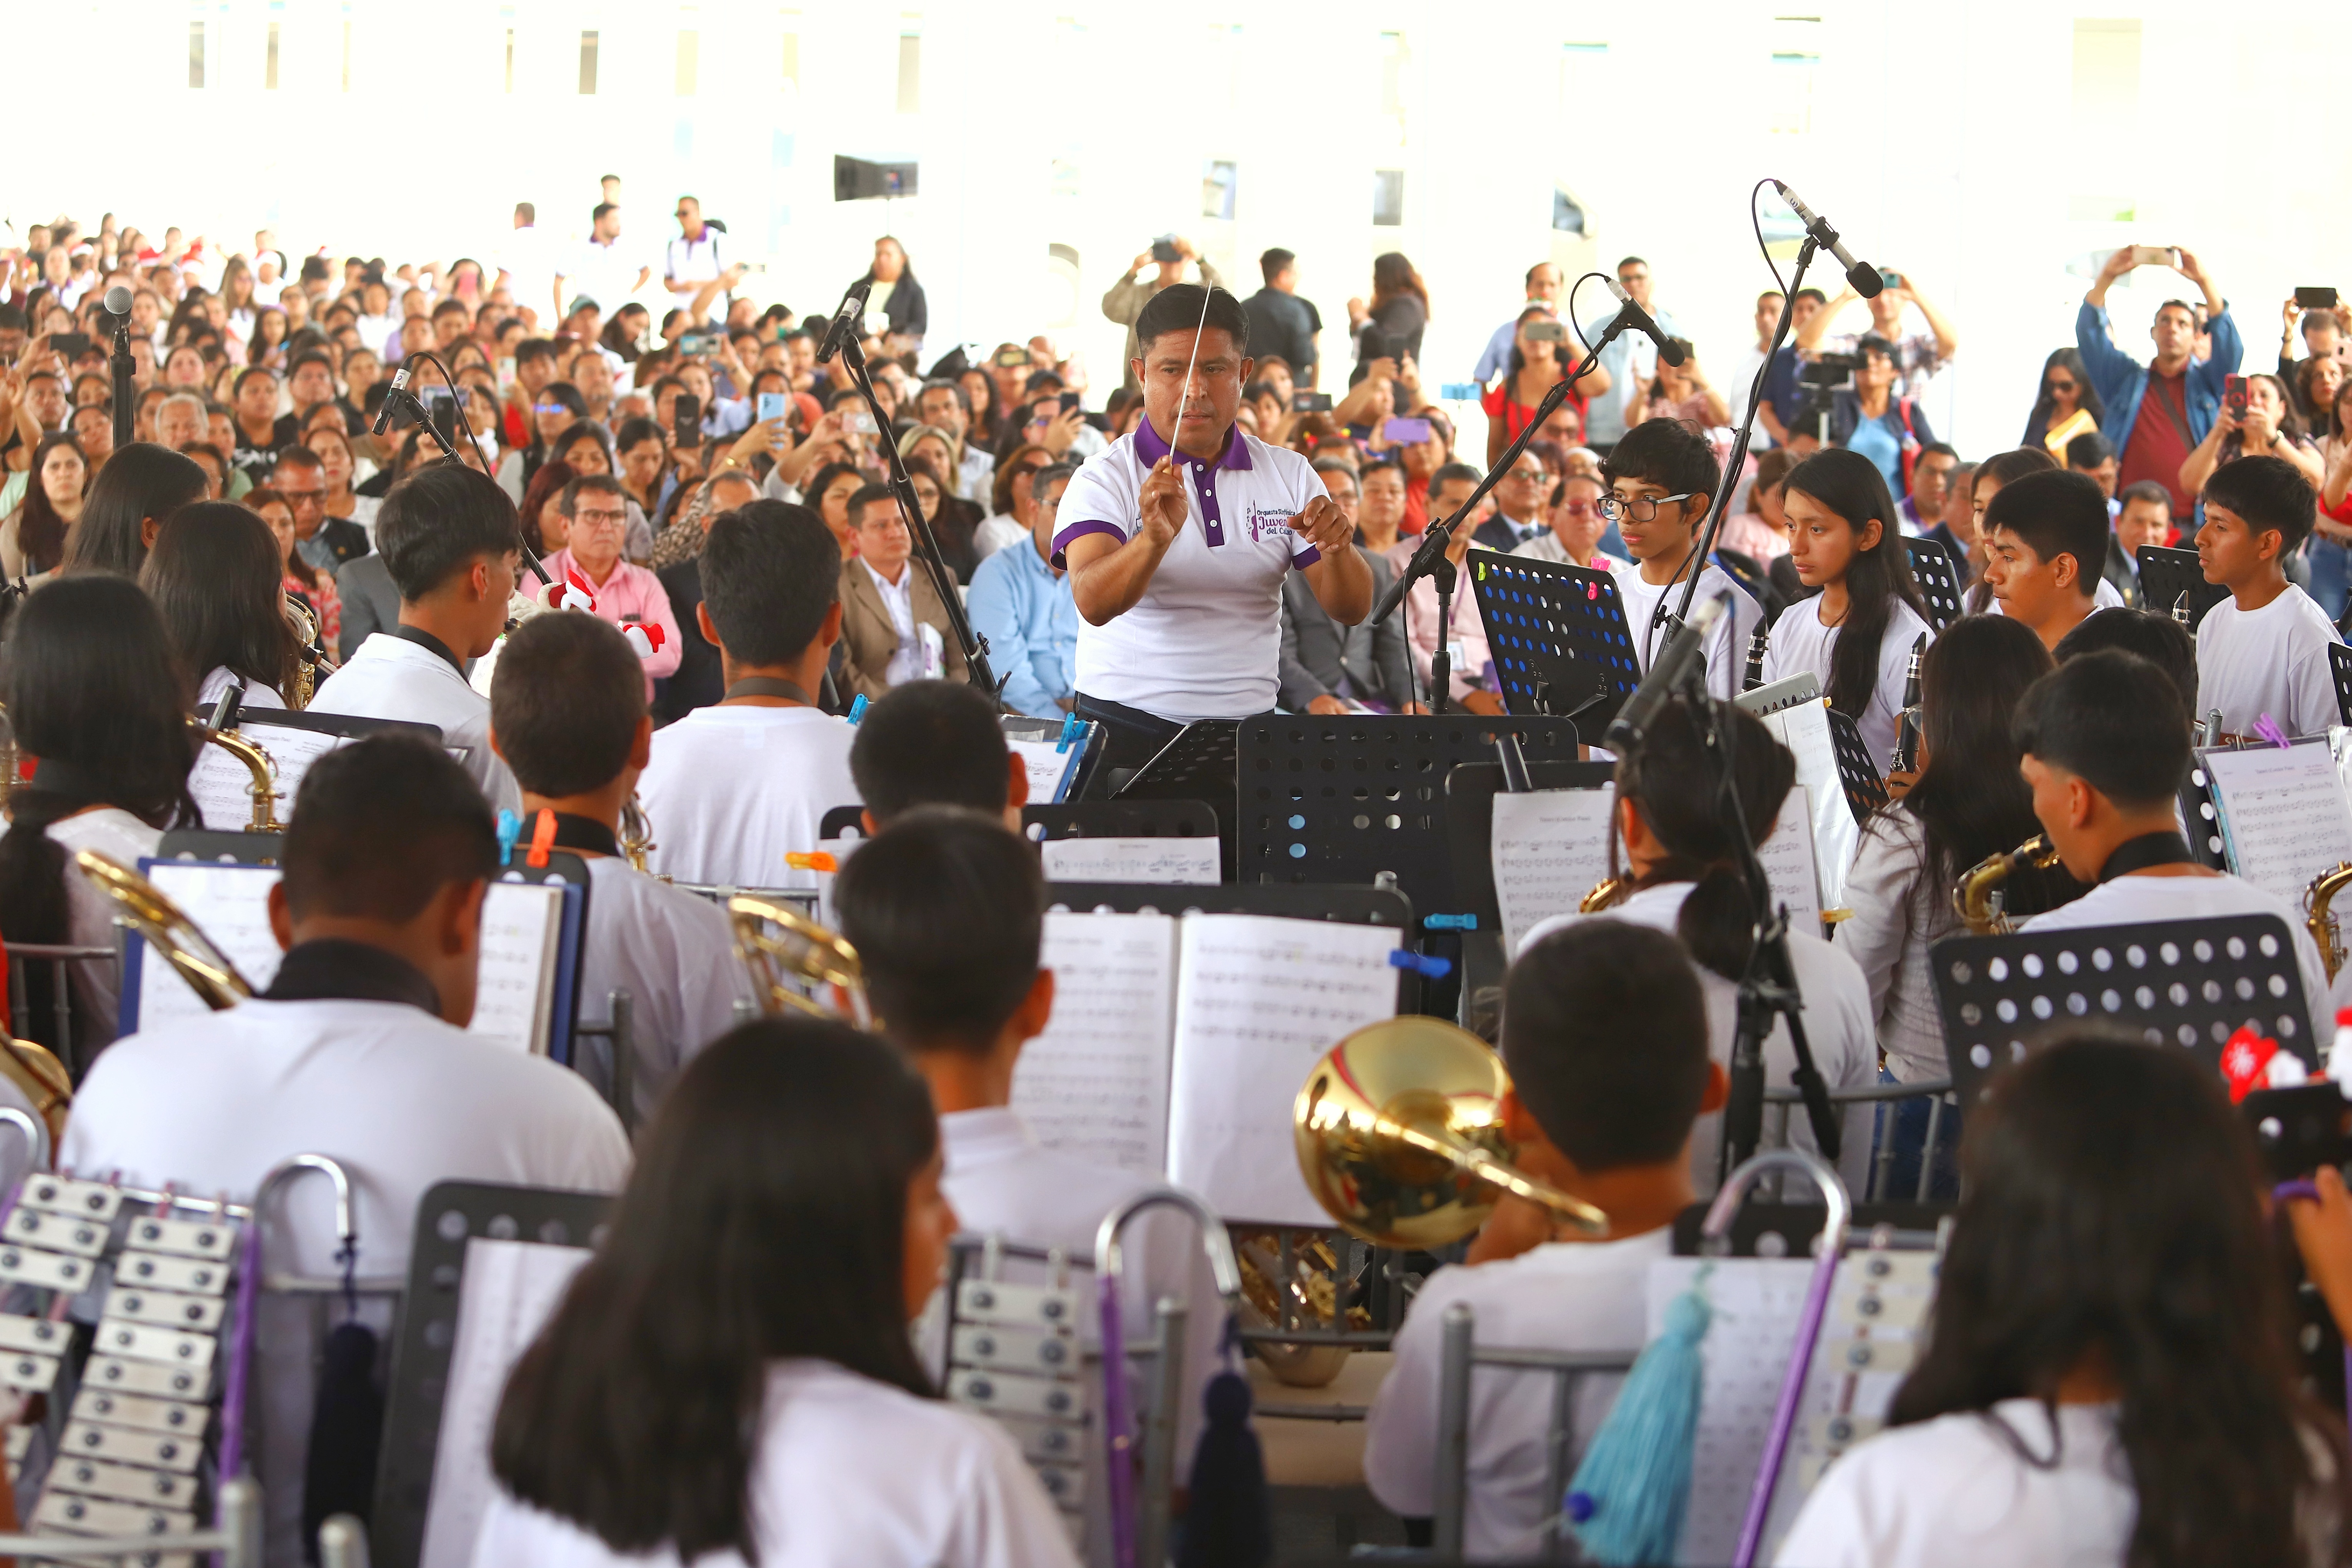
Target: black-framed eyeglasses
(1640, 508)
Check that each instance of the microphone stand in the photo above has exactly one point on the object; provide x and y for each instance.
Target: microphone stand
(125, 399)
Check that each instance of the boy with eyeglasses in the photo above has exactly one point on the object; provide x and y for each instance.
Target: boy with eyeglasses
(1662, 479)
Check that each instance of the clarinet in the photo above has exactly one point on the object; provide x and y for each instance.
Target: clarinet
(1756, 647)
(1907, 738)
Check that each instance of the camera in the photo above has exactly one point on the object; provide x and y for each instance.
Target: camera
(1829, 372)
(1164, 248)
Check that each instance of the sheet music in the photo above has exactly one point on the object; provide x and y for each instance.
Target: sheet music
(514, 988)
(230, 904)
(1259, 1000)
(511, 1289)
(1049, 770)
(1805, 730)
(1787, 854)
(1191, 862)
(1549, 847)
(223, 786)
(1095, 1084)
(2284, 817)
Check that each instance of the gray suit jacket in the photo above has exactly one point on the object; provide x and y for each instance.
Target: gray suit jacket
(371, 603)
(1316, 650)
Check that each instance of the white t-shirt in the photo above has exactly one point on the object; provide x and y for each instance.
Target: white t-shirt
(90, 913)
(1205, 639)
(392, 677)
(1562, 1296)
(1727, 650)
(2273, 661)
(673, 953)
(1801, 642)
(1837, 1029)
(219, 678)
(850, 1473)
(732, 789)
(2143, 900)
(604, 273)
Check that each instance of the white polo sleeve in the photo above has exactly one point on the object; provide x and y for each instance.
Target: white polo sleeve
(1101, 498)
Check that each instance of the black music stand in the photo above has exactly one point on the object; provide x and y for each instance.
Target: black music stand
(1198, 764)
(1559, 634)
(1288, 900)
(1470, 792)
(2189, 984)
(2340, 666)
(1866, 789)
(2204, 820)
(2166, 574)
(221, 848)
(1939, 579)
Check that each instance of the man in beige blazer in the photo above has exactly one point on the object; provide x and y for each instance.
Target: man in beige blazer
(893, 627)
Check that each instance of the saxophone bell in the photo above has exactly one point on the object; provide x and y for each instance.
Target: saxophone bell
(2320, 921)
(311, 663)
(264, 787)
(1977, 898)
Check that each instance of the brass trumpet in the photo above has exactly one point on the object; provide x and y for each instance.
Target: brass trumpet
(313, 662)
(1977, 897)
(798, 950)
(168, 930)
(257, 762)
(2320, 920)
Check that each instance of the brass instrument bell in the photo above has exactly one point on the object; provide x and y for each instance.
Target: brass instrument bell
(168, 930)
(2320, 921)
(1977, 896)
(798, 952)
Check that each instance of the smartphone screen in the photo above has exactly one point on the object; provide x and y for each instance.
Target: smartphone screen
(1889, 279)
(1070, 401)
(1310, 403)
(2234, 397)
(2314, 299)
(685, 419)
(1406, 432)
(860, 423)
(771, 407)
(2154, 254)
(70, 346)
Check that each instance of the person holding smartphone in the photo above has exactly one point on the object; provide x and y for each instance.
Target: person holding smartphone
(2157, 413)
(2257, 418)
(1123, 302)
(1536, 347)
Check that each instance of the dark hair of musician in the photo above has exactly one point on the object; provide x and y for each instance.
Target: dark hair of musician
(99, 694)
(2055, 514)
(381, 826)
(2114, 721)
(2109, 1224)
(2269, 493)
(1668, 452)
(765, 1219)
(141, 483)
(218, 576)
(947, 909)
(1670, 780)
(1571, 1003)
(930, 742)
(1177, 309)
(566, 698)
(770, 570)
(439, 518)
(1876, 578)
(2157, 639)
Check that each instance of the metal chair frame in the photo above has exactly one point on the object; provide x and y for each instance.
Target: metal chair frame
(60, 958)
(1937, 1094)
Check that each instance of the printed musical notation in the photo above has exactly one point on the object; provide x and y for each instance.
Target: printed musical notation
(230, 904)
(1259, 1000)
(1095, 1084)
(1787, 855)
(1805, 730)
(1049, 770)
(2284, 816)
(1191, 862)
(514, 988)
(223, 786)
(1550, 847)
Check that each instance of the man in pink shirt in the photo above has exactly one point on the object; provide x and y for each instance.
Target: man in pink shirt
(596, 513)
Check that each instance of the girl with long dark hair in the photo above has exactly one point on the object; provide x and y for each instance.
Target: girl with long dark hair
(2109, 1376)
(98, 698)
(2065, 386)
(215, 574)
(140, 486)
(1857, 633)
(702, 1390)
(1678, 866)
(58, 480)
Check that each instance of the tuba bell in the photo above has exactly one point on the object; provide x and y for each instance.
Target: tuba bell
(1977, 897)
(798, 953)
(1399, 1134)
(168, 930)
(2320, 920)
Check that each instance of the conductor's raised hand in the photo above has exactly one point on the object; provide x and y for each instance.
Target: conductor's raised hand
(1160, 504)
(1324, 524)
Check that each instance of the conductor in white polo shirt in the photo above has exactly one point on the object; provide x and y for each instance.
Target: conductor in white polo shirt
(1179, 537)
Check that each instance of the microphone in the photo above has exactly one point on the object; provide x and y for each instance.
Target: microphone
(1865, 278)
(848, 322)
(383, 411)
(1683, 656)
(118, 300)
(1633, 316)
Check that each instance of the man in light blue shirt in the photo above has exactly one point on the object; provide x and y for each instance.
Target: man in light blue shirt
(1544, 285)
(1631, 361)
(1022, 605)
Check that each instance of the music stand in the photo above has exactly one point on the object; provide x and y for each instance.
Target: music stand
(2166, 574)
(221, 848)
(1939, 579)
(1367, 906)
(570, 873)
(2204, 821)
(2189, 984)
(1198, 764)
(2339, 668)
(1558, 635)
(1866, 790)
(1470, 792)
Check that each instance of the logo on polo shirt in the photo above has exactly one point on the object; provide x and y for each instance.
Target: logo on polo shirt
(1265, 520)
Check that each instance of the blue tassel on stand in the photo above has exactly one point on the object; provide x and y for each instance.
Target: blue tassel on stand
(1229, 1523)
(1627, 1499)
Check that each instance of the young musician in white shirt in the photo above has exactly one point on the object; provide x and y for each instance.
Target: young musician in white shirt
(2045, 543)
(946, 909)
(936, 742)
(357, 1051)
(217, 573)
(1590, 1121)
(1661, 477)
(2109, 1375)
(733, 789)
(731, 1379)
(449, 538)
(2264, 649)
(568, 715)
(2106, 747)
(1856, 635)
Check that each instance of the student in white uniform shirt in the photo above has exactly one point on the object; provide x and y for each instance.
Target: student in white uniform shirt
(1856, 635)
(2045, 542)
(734, 788)
(357, 1051)
(936, 742)
(2109, 1377)
(568, 715)
(1661, 477)
(449, 538)
(216, 575)
(1603, 1125)
(731, 1378)
(1179, 538)
(946, 909)
(1673, 843)
(2106, 746)
(2264, 649)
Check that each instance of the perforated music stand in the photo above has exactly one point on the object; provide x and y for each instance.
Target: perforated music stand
(1559, 635)
(1071, 819)
(2204, 821)
(2339, 668)
(2166, 574)
(1939, 579)
(1198, 764)
(2189, 984)
(1865, 788)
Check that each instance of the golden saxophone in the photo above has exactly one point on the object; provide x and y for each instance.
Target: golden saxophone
(636, 832)
(313, 661)
(264, 787)
(2320, 920)
(1977, 897)
(1605, 893)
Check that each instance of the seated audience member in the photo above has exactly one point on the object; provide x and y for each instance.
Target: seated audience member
(1662, 476)
(370, 598)
(1577, 528)
(325, 542)
(1672, 840)
(1610, 1127)
(595, 516)
(2143, 517)
(936, 744)
(893, 630)
(97, 694)
(2264, 649)
(1463, 631)
(2092, 456)
(2066, 1405)
(448, 536)
(2105, 750)
(734, 788)
(1021, 603)
(215, 573)
(696, 682)
(947, 910)
(708, 1391)
(356, 1051)
(2045, 539)
(1761, 533)
(567, 717)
